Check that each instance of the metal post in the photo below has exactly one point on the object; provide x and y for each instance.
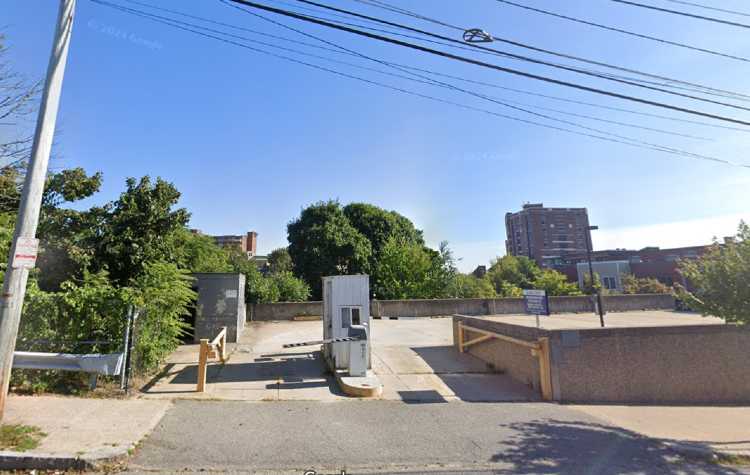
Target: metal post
(591, 276)
(126, 352)
(23, 249)
(129, 357)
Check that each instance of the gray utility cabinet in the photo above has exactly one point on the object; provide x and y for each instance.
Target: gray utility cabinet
(220, 303)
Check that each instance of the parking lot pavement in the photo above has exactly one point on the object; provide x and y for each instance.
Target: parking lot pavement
(388, 436)
(641, 318)
(414, 359)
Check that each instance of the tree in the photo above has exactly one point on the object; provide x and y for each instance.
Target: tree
(519, 271)
(17, 101)
(323, 242)
(555, 283)
(198, 253)
(407, 270)
(467, 286)
(720, 279)
(644, 285)
(279, 261)
(588, 289)
(379, 225)
(137, 228)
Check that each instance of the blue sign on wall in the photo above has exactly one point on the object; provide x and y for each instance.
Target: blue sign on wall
(536, 302)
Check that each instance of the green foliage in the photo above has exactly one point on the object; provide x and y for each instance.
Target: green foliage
(134, 230)
(277, 287)
(323, 242)
(467, 286)
(644, 285)
(720, 278)
(289, 288)
(407, 270)
(198, 253)
(518, 271)
(555, 283)
(279, 261)
(379, 225)
(163, 293)
(588, 289)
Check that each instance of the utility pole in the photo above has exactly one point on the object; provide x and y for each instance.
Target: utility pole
(591, 275)
(24, 247)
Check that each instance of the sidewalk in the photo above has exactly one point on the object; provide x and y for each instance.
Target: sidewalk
(723, 431)
(81, 433)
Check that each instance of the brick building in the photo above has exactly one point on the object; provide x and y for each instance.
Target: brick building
(247, 243)
(547, 235)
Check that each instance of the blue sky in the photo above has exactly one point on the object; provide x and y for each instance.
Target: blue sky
(249, 140)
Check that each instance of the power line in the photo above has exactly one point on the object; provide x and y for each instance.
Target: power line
(520, 91)
(505, 53)
(681, 13)
(493, 66)
(472, 93)
(663, 149)
(624, 32)
(706, 7)
(403, 11)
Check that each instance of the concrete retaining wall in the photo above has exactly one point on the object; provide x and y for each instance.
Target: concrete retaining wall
(283, 310)
(701, 364)
(696, 364)
(444, 307)
(513, 360)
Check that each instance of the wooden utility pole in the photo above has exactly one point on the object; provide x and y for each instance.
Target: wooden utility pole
(23, 250)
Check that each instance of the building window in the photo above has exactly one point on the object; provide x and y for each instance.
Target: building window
(609, 283)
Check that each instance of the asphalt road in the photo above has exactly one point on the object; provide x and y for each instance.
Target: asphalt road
(388, 436)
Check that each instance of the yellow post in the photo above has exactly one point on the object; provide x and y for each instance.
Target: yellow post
(460, 336)
(545, 369)
(202, 365)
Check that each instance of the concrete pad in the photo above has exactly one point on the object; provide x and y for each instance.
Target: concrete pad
(719, 429)
(645, 318)
(81, 427)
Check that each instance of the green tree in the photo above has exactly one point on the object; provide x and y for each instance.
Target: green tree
(408, 270)
(513, 272)
(379, 225)
(555, 283)
(198, 253)
(289, 288)
(644, 285)
(720, 279)
(137, 228)
(323, 242)
(467, 286)
(279, 261)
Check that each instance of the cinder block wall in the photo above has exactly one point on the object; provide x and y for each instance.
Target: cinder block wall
(283, 310)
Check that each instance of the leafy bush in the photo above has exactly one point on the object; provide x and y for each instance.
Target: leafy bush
(720, 279)
(163, 292)
(643, 285)
(467, 286)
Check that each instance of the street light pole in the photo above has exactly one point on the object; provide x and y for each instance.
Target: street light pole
(24, 247)
(591, 275)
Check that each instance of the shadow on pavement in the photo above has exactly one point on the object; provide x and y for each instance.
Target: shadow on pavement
(471, 379)
(573, 447)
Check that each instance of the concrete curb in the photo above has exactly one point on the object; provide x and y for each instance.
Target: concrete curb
(695, 450)
(41, 461)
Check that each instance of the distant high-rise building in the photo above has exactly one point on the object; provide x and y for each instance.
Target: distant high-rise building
(547, 235)
(247, 243)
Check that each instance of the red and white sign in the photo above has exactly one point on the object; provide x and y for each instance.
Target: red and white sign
(24, 255)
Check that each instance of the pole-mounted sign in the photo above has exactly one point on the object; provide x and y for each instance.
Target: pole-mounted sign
(536, 303)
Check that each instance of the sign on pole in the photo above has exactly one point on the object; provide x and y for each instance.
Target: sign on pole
(536, 303)
(24, 253)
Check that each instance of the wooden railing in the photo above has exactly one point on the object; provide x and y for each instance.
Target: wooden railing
(216, 348)
(539, 349)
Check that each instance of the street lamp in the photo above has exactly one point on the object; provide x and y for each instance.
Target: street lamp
(591, 275)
